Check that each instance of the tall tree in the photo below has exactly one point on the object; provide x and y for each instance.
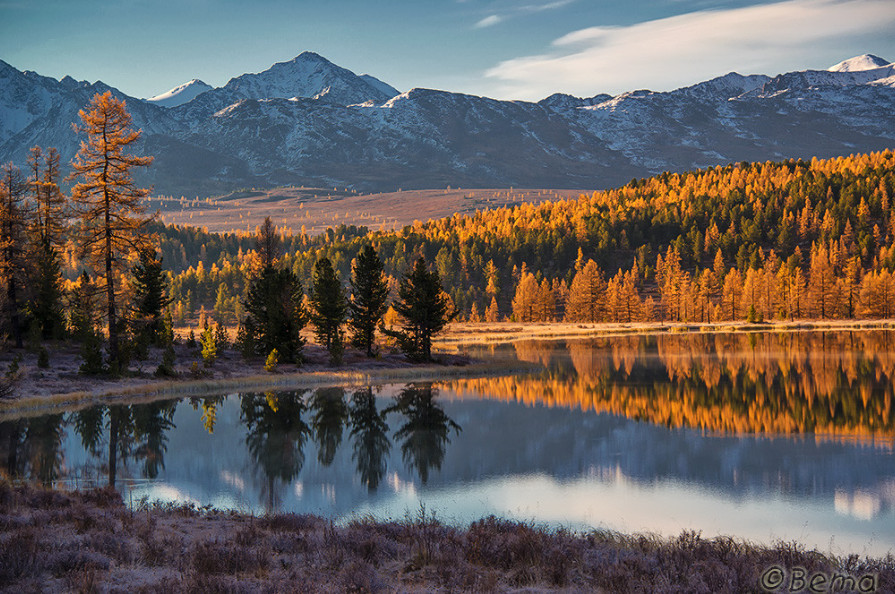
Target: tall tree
(328, 308)
(150, 296)
(586, 295)
(425, 310)
(525, 301)
(47, 237)
(50, 216)
(12, 243)
(267, 243)
(275, 314)
(369, 292)
(107, 199)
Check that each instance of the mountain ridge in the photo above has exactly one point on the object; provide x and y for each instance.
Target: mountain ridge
(308, 121)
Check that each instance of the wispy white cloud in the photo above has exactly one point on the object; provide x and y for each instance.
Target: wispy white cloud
(488, 21)
(671, 52)
(500, 16)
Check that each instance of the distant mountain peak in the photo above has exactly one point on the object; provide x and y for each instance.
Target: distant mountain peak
(308, 75)
(858, 63)
(180, 94)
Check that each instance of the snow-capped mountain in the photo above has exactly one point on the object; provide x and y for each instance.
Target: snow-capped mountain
(308, 121)
(864, 62)
(181, 94)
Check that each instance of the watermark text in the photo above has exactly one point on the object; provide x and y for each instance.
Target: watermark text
(797, 579)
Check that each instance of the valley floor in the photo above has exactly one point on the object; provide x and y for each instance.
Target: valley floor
(89, 541)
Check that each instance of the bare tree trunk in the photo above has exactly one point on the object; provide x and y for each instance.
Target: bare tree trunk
(110, 294)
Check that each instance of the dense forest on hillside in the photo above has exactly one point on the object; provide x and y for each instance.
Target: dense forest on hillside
(792, 239)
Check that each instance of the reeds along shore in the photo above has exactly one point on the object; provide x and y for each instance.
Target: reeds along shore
(88, 541)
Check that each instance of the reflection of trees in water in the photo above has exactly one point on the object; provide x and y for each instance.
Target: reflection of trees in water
(536, 351)
(275, 435)
(137, 432)
(151, 423)
(88, 425)
(330, 414)
(832, 382)
(424, 435)
(370, 440)
(33, 447)
(278, 427)
(209, 406)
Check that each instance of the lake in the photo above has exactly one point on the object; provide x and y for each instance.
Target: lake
(763, 436)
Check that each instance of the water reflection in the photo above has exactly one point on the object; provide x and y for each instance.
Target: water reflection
(425, 432)
(32, 447)
(275, 436)
(829, 384)
(370, 441)
(707, 432)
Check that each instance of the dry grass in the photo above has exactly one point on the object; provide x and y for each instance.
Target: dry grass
(317, 209)
(53, 541)
(460, 334)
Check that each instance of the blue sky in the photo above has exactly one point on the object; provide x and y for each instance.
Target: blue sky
(500, 48)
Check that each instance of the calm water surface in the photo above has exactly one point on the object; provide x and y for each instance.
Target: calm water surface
(761, 436)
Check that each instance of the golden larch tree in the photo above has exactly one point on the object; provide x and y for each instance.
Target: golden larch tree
(107, 199)
(586, 295)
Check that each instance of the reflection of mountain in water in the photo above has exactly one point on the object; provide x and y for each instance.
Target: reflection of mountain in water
(835, 384)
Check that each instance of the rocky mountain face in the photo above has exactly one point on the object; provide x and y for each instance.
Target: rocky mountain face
(310, 122)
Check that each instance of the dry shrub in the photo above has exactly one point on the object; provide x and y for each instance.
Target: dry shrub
(357, 576)
(69, 560)
(20, 555)
(209, 558)
(493, 542)
(118, 547)
(105, 497)
(47, 499)
(7, 496)
(291, 522)
(85, 581)
(196, 583)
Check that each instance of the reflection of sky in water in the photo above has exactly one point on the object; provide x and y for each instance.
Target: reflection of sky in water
(559, 466)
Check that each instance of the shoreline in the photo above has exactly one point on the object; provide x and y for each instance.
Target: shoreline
(465, 333)
(72, 390)
(28, 406)
(90, 540)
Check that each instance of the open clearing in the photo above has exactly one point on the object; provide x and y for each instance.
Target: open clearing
(317, 209)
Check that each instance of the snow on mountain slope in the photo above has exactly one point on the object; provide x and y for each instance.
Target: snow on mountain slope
(307, 75)
(308, 121)
(858, 63)
(181, 94)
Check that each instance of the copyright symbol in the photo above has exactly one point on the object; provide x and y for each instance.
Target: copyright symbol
(773, 577)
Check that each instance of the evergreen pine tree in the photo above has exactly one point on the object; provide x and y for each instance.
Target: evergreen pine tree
(424, 307)
(328, 308)
(275, 313)
(150, 297)
(369, 293)
(12, 244)
(83, 308)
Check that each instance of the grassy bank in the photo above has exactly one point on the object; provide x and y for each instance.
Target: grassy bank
(127, 391)
(459, 334)
(62, 386)
(52, 541)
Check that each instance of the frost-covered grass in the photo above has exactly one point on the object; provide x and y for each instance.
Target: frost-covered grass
(52, 541)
